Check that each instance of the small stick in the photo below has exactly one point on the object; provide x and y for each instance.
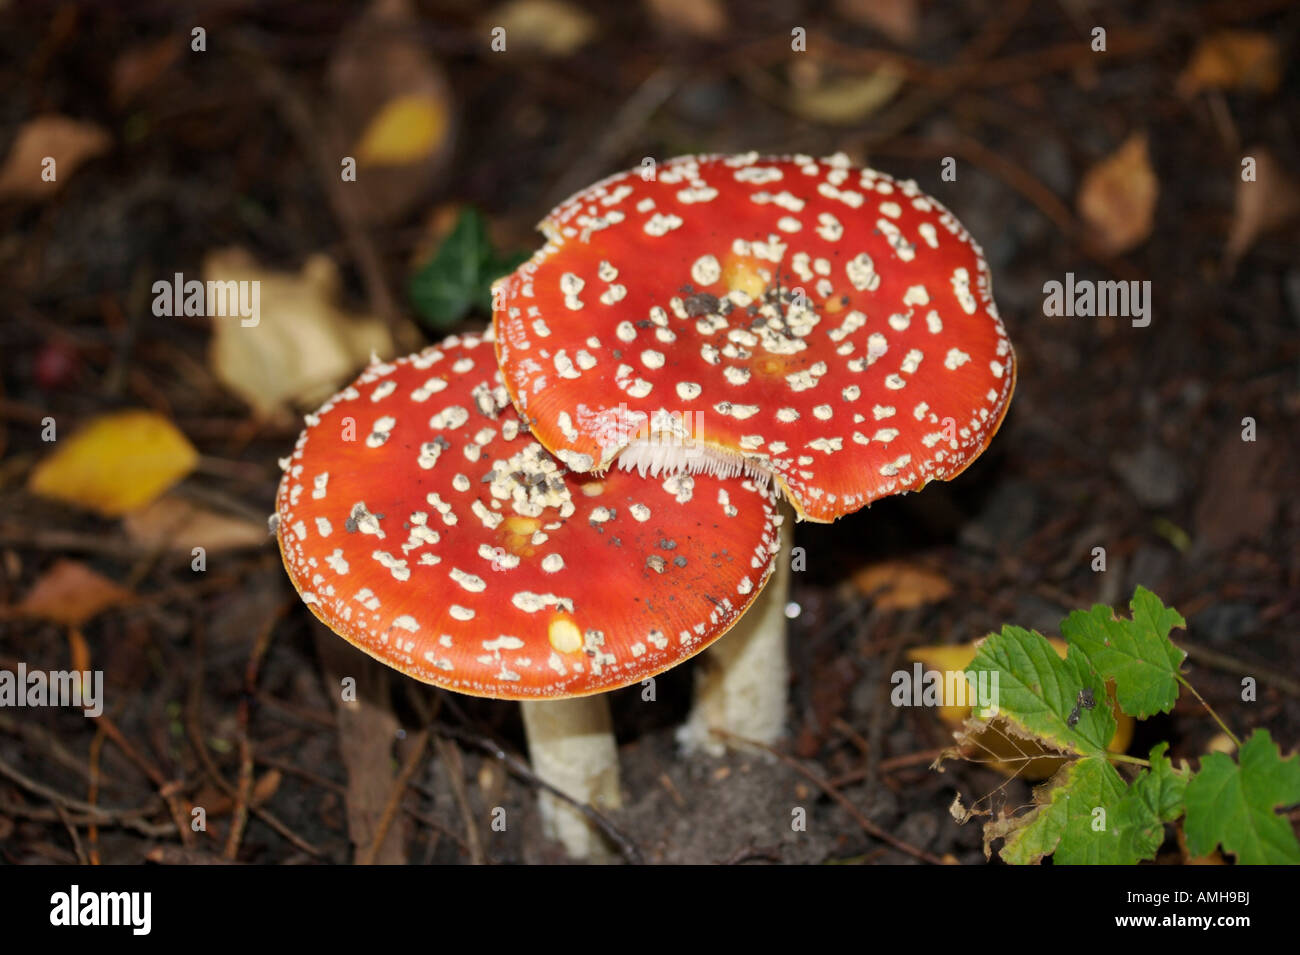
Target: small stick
(395, 797)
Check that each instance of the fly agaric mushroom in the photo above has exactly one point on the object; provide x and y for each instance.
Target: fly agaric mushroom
(823, 324)
(419, 520)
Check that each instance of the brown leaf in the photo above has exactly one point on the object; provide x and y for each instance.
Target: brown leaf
(69, 142)
(174, 523)
(705, 19)
(71, 593)
(392, 110)
(1233, 59)
(897, 585)
(1117, 199)
(1239, 496)
(141, 66)
(1268, 203)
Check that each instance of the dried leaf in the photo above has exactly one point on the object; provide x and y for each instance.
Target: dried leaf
(405, 130)
(1268, 203)
(391, 109)
(1117, 199)
(303, 345)
(69, 142)
(141, 66)
(897, 585)
(551, 27)
(848, 99)
(1234, 60)
(705, 19)
(70, 593)
(116, 464)
(173, 523)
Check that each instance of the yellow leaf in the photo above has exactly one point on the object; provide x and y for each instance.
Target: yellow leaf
(897, 585)
(1117, 199)
(117, 463)
(406, 129)
(1011, 755)
(1233, 59)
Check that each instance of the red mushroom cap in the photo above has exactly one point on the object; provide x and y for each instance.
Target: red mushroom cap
(825, 323)
(419, 520)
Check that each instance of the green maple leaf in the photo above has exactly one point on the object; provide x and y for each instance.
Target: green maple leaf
(458, 279)
(1038, 693)
(1074, 818)
(1154, 798)
(1137, 654)
(1234, 804)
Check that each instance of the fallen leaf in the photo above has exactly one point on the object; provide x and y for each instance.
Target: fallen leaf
(406, 130)
(845, 99)
(70, 593)
(704, 19)
(899, 20)
(69, 142)
(1233, 60)
(1243, 486)
(897, 585)
(174, 523)
(1117, 199)
(551, 27)
(141, 66)
(303, 345)
(119, 462)
(1268, 203)
(391, 109)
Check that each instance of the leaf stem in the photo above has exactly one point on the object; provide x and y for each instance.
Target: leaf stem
(1125, 758)
(1209, 709)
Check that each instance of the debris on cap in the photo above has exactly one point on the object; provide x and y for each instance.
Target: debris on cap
(420, 520)
(825, 324)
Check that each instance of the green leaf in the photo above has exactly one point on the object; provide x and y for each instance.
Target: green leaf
(1154, 798)
(459, 277)
(1234, 804)
(1137, 654)
(1037, 693)
(1076, 819)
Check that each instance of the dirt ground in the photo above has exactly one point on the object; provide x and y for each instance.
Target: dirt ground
(1124, 437)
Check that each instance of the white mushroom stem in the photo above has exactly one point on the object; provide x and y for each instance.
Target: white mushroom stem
(571, 744)
(741, 681)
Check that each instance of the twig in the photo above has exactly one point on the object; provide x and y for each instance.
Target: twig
(193, 707)
(867, 825)
(239, 818)
(450, 755)
(409, 766)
